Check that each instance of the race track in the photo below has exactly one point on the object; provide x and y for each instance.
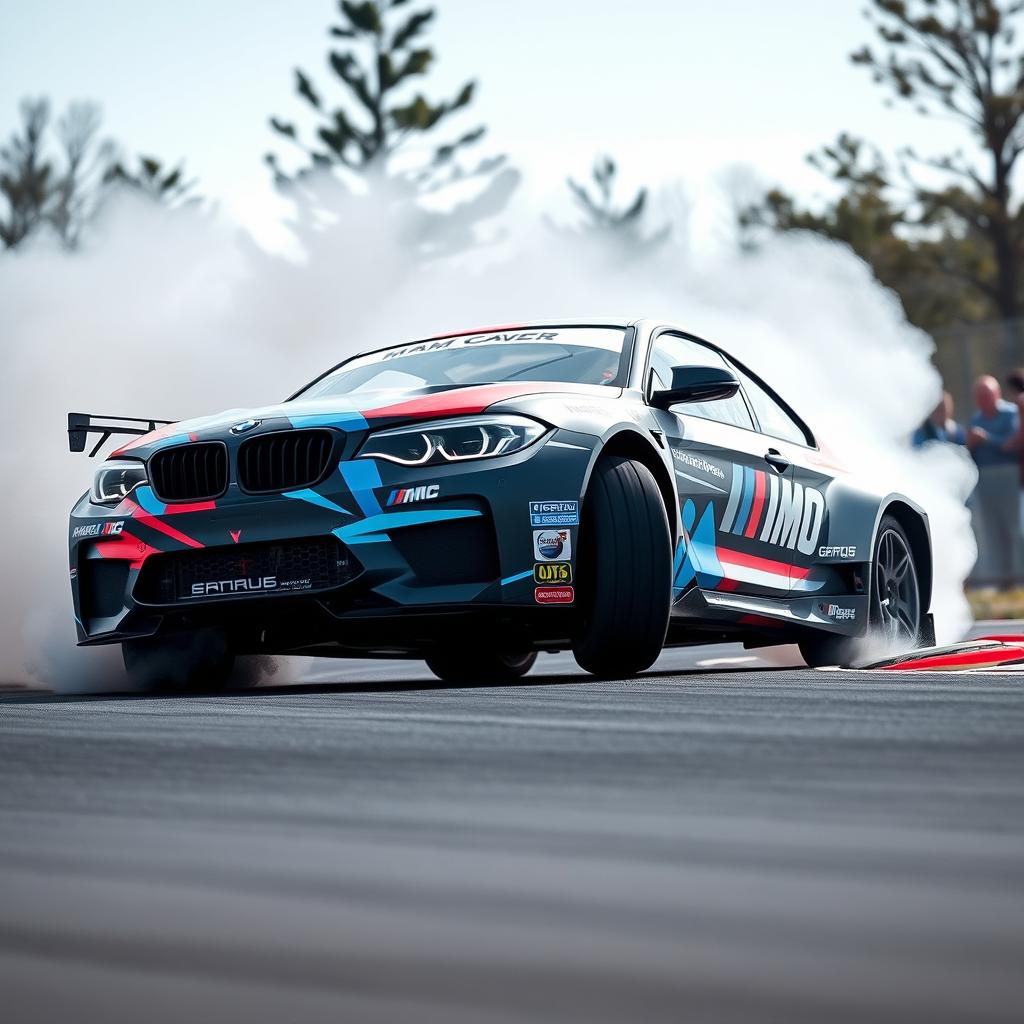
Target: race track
(699, 845)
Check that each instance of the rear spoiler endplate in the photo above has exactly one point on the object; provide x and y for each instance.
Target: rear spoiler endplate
(81, 424)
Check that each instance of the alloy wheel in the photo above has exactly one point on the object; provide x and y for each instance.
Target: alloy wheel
(896, 590)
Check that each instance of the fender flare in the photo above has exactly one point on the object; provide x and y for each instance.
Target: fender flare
(914, 520)
(629, 441)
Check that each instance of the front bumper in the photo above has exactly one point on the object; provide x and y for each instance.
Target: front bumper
(377, 542)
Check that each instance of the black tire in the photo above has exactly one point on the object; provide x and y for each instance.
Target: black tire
(624, 571)
(896, 620)
(180, 663)
(480, 666)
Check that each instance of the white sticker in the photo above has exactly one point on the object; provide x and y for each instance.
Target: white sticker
(552, 545)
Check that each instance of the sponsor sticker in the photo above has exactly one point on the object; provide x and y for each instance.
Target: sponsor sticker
(552, 545)
(838, 612)
(697, 462)
(552, 572)
(554, 595)
(304, 584)
(841, 551)
(407, 495)
(440, 344)
(98, 530)
(245, 585)
(554, 513)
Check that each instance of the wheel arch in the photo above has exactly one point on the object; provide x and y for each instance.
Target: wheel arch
(631, 444)
(915, 525)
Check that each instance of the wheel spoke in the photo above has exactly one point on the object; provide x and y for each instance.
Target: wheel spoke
(896, 589)
(901, 568)
(904, 617)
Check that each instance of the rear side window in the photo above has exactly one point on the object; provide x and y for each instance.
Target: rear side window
(670, 350)
(772, 418)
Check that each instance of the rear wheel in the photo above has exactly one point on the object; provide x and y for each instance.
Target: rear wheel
(624, 568)
(895, 619)
(183, 662)
(480, 666)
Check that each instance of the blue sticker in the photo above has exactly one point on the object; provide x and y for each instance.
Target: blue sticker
(554, 513)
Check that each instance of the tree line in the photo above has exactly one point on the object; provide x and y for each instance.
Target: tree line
(945, 231)
(375, 132)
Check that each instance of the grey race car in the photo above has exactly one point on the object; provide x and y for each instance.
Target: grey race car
(472, 499)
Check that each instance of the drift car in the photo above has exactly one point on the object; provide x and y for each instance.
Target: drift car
(474, 498)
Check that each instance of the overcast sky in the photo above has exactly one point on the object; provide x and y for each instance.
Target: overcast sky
(677, 90)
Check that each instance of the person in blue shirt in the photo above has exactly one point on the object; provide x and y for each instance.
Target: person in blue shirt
(940, 425)
(995, 504)
(993, 426)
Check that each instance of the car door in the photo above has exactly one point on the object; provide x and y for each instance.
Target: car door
(801, 519)
(731, 487)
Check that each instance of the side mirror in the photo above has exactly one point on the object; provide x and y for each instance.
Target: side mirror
(697, 384)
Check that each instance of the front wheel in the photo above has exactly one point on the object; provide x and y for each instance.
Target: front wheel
(895, 619)
(624, 567)
(480, 666)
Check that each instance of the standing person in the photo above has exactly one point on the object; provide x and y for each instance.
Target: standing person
(990, 439)
(1015, 387)
(940, 425)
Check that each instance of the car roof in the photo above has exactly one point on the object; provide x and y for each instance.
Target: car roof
(528, 325)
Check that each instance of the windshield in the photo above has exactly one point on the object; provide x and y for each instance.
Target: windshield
(570, 355)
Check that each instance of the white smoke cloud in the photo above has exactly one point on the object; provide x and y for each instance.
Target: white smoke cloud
(173, 314)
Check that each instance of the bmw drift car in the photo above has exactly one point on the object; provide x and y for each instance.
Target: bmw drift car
(474, 498)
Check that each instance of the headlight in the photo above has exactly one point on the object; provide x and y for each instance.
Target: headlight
(448, 441)
(115, 479)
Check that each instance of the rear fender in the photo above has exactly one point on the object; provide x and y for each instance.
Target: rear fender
(854, 515)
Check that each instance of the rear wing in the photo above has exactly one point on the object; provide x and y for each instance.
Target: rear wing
(81, 424)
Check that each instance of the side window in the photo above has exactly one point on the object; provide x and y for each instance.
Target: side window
(773, 419)
(670, 350)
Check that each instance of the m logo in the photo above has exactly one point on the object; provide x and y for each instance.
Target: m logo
(774, 509)
(405, 495)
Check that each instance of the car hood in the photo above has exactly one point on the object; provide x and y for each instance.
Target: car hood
(356, 412)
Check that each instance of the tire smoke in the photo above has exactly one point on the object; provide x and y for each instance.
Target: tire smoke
(173, 314)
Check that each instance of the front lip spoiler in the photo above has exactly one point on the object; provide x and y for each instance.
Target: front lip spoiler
(362, 630)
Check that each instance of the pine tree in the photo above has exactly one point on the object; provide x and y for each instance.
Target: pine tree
(28, 179)
(374, 136)
(152, 179)
(872, 218)
(58, 175)
(622, 228)
(963, 59)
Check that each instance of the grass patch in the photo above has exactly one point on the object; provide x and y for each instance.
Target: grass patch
(997, 604)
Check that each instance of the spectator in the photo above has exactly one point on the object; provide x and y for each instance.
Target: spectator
(940, 425)
(1015, 384)
(996, 500)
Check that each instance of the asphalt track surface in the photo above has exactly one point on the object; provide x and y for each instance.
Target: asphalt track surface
(719, 840)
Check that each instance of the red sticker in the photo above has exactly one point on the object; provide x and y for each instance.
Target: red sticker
(554, 595)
